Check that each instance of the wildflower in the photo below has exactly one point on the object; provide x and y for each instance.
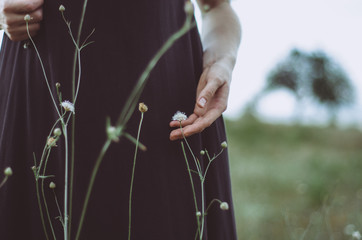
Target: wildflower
(356, 235)
(8, 171)
(61, 8)
(142, 107)
(224, 144)
(57, 132)
(52, 185)
(179, 116)
(224, 206)
(189, 8)
(202, 152)
(27, 18)
(198, 214)
(68, 106)
(51, 142)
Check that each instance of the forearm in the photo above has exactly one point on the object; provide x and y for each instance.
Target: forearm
(221, 32)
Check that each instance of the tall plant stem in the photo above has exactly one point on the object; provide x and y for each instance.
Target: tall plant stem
(43, 195)
(76, 55)
(132, 179)
(66, 172)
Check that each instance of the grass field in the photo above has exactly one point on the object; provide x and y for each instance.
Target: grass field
(295, 182)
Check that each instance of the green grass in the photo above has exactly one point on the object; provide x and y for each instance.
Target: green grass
(295, 180)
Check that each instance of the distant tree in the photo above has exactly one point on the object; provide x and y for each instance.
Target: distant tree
(311, 76)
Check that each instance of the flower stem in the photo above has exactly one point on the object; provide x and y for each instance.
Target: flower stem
(132, 179)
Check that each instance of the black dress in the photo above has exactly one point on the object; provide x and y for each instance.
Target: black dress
(127, 34)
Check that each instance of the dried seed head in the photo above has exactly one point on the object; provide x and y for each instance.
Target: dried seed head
(142, 107)
(51, 142)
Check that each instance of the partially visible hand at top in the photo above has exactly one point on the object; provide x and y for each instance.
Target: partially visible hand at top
(12, 13)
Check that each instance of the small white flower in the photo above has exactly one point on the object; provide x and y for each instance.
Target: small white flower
(356, 235)
(68, 106)
(224, 206)
(8, 171)
(179, 116)
(27, 17)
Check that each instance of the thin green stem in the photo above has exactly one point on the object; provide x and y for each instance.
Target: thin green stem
(43, 195)
(202, 209)
(66, 172)
(60, 212)
(91, 183)
(41, 209)
(43, 69)
(210, 204)
(4, 181)
(193, 155)
(132, 179)
(192, 184)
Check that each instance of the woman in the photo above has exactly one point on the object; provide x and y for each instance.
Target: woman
(190, 77)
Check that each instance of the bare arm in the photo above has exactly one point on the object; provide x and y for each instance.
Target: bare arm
(220, 36)
(12, 14)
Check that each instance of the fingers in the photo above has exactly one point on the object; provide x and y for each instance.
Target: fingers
(197, 126)
(13, 14)
(22, 6)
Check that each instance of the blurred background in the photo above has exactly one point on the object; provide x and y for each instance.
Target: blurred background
(294, 120)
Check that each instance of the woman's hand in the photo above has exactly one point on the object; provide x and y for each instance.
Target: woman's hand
(12, 14)
(220, 38)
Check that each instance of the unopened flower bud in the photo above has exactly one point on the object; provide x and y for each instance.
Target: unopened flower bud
(61, 8)
(52, 185)
(224, 144)
(224, 206)
(8, 171)
(27, 17)
(206, 8)
(198, 214)
(202, 152)
(57, 132)
(57, 85)
(33, 168)
(189, 8)
(142, 107)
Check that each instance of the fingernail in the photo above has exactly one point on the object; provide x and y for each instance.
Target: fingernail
(202, 102)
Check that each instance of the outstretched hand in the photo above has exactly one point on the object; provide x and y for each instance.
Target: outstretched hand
(211, 100)
(12, 13)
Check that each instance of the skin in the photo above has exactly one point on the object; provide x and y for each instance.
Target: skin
(220, 37)
(12, 14)
(221, 34)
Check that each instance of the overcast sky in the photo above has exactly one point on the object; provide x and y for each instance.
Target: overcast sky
(272, 28)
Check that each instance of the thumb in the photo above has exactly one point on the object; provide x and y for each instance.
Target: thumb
(205, 96)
